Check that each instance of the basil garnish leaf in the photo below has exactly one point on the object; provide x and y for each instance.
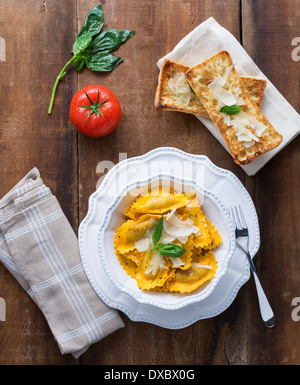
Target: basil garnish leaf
(93, 47)
(169, 250)
(158, 231)
(165, 249)
(231, 110)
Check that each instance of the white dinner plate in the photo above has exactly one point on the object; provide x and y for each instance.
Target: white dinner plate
(166, 161)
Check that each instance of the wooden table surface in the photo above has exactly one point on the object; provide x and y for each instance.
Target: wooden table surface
(38, 37)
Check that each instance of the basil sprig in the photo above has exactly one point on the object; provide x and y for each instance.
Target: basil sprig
(231, 110)
(93, 47)
(165, 249)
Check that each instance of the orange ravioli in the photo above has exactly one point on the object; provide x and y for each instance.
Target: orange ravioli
(202, 270)
(199, 219)
(186, 258)
(215, 237)
(159, 200)
(128, 265)
(153, 270)
(131, 231)
(134, 255)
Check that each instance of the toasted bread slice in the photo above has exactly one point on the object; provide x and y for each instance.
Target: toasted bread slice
(248, 134)
(167, 100)
(165, 97)
(255, 87)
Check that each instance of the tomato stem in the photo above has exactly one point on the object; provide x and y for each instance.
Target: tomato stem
(59, 77)
(94, 106)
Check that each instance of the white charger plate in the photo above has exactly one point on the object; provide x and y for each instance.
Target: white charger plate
(165, 160)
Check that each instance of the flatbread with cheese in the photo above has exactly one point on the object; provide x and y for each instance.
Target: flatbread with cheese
(247, 133)
(174, 93)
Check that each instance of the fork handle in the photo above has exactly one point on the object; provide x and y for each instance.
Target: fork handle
(265, 308)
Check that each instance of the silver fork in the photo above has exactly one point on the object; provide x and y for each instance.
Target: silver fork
(242, 235)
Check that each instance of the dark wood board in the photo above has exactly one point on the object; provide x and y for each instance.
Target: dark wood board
(267, 36)
(39, 36)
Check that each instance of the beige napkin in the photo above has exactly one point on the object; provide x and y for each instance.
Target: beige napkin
(39, 247)
(209, 38)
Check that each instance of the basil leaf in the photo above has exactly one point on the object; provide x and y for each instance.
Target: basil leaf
(101, 61)
(170, 250)
(82, 42)
(231, 110)
(158, 231)
(110, 40)
(93, 22)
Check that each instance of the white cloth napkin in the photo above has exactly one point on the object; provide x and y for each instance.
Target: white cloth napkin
(209, 38)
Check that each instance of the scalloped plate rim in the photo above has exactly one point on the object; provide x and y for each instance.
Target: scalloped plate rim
(244, 274)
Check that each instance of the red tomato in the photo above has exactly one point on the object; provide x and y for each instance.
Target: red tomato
(95, 111)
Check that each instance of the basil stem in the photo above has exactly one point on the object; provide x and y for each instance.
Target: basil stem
(60, 76)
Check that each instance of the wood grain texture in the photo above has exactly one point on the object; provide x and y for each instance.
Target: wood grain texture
(267, 36)
(38, 41)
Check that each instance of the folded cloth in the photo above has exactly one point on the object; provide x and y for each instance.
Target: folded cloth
(206, 40)
(39, 247)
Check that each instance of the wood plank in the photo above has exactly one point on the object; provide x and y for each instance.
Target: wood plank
(268, 30)
(39, 36)
(159, 26)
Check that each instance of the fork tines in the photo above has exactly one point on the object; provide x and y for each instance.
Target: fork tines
(238, 217)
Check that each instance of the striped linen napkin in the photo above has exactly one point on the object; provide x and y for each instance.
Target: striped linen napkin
(40, 249)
